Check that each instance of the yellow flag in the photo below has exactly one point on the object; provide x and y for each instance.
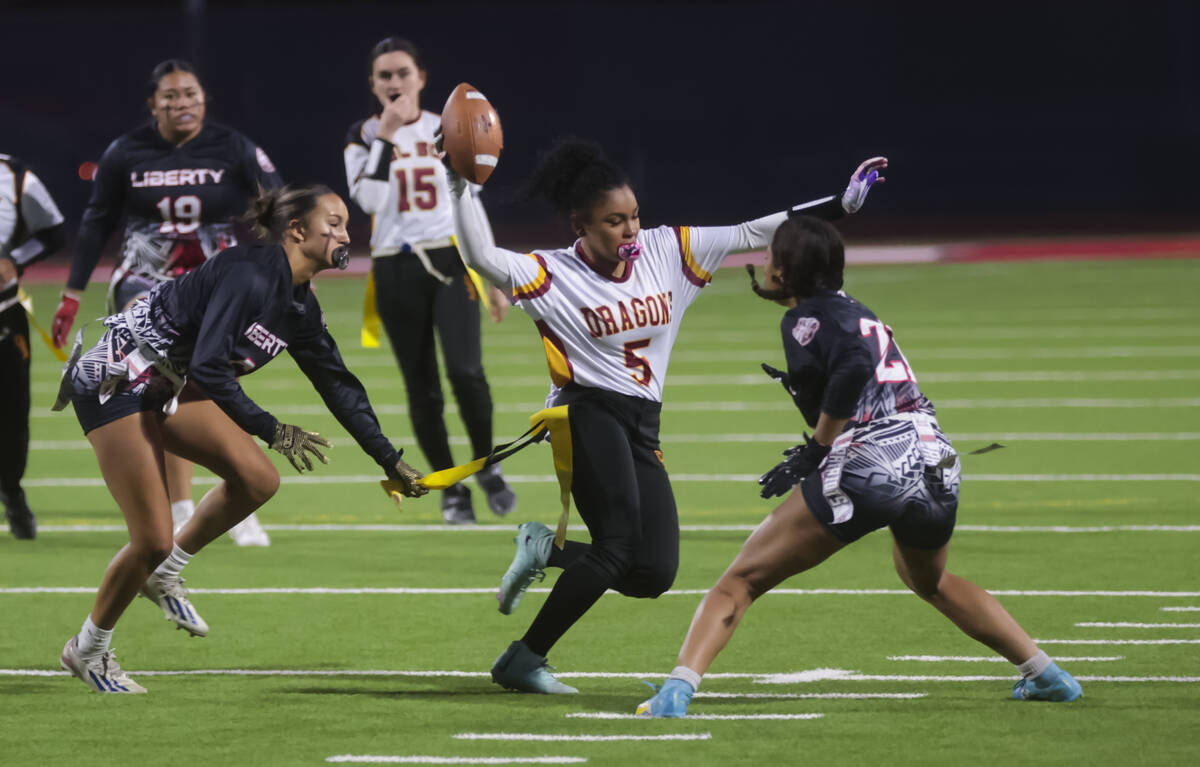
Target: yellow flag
(372, 326)
(26, 301)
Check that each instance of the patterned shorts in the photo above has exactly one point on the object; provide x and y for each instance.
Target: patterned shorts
(895, 479)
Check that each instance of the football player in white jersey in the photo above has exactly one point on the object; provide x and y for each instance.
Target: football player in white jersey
(420, 282)
(608, 308)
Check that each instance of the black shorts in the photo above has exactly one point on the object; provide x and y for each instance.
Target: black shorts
(886, 477)
(92, 415)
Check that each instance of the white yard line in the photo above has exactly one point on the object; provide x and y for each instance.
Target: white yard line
(1126, 625)
(544, 479)
(766, 439)
(552, 738)
(1116, 641)
(508, 529)
(692, 716)
(390, 759)
(419, 591)
(812, 695)
(998, 659)
(856, 677)
(1180, 609)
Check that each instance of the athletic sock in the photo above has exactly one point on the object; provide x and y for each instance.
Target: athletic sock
(93, 640)
(181, 511)
(174, 564)
(1035, 665)
(685, 674)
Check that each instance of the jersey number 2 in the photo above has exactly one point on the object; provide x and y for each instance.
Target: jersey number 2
(886, 372)
(424, 192)
(181, 215)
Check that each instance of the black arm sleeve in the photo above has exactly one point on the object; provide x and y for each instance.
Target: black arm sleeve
(318, 357)
(103, 212)
(234, 303)
(850, 367)
(828, 208)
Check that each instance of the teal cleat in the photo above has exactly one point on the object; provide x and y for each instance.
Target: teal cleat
(533, 552)
(523, 670)
(670, 702)
(1053, 684)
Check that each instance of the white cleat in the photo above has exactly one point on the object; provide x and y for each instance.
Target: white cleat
(249, 532)
(168, 593)
(102, 673)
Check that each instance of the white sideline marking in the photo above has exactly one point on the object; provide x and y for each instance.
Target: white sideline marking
(735, 438)
(714, 717)
(1117, 641)
(386, 759)
(790, 678)
(414, 591)
(543, 479)
(1126, 625)
(856, 677)
(546, 738)
(1180, 609)
(501, 528)
(998, 659)
(813, 695)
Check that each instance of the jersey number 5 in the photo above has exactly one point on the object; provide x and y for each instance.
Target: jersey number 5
(637, 361)
(181, 215)
(424, 192)
(896, 371)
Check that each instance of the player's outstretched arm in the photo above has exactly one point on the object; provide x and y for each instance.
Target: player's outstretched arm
(475, 241)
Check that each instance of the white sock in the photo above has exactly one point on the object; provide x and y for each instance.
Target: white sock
(93, 641)
(1035, 665)
(687, 675)
(182, 511)
(174, 564)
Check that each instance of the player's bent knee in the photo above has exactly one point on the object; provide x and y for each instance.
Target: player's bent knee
(152, 553)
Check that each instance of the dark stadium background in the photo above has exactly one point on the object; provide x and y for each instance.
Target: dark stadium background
(1000, 119)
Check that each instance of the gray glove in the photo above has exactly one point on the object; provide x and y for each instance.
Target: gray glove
(293, 441)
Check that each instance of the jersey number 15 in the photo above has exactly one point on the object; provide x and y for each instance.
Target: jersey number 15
(896, 371)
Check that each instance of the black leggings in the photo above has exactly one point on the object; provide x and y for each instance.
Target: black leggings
(412, 303)
(623, 494)
(14, 400)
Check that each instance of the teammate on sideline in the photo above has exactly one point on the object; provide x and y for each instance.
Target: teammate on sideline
(420, 282)
(161, 378)
(876, 459)
(179, 181)
(31, 227)
(608, 309)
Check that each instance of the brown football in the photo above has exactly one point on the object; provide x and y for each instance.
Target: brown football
(472, 135)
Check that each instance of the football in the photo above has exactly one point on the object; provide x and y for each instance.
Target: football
(471, 134)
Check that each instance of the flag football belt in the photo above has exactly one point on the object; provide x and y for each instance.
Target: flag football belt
(554, 422)
(372, 326)
(26, 302)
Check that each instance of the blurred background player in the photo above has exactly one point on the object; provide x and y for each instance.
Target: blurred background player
(418, 282)
(877, 458)
(179, 181)
(225, 319)
(609, 309)
(31, 227)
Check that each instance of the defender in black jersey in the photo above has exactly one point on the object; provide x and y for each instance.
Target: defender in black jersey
(178, 182)
(31, 227)
(164, 377)
(876, 459)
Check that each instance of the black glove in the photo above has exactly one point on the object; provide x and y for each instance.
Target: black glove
(800, 461)
(293, 441)
(780, 376)
(408, 477)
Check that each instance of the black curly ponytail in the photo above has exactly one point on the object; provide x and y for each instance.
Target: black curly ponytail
(573, 174)
(273, 209)
(810, 257)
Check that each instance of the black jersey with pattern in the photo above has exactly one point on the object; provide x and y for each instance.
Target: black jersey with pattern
(843, 361)
(178, 201)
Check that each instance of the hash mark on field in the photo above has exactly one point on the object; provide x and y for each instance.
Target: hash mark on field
(998, 659)
(584, 738)
(1180, 609)
(386, 759)
(1127, 625)
(714, 717)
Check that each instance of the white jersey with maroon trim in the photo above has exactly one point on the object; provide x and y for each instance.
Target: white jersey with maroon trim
(616, 334)
(412, 204)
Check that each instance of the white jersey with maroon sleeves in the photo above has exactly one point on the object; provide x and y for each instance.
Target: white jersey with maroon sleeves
(406, 197)
(616, 334)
